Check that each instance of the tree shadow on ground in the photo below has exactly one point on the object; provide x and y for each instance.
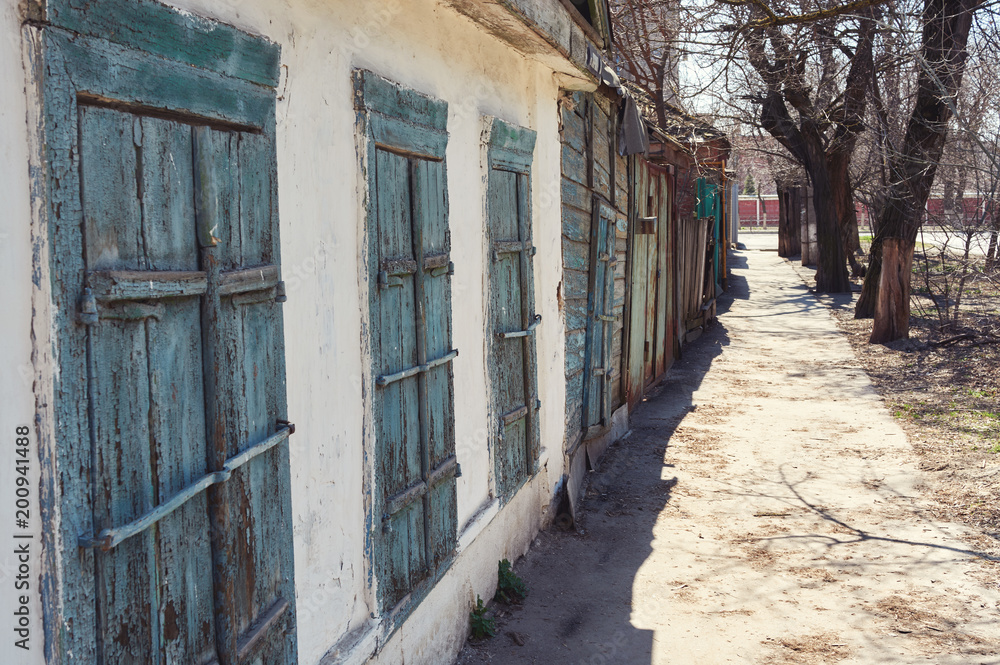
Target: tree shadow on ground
(787, 490)
(580, 581)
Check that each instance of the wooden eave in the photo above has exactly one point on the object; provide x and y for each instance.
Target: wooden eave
(543, 30)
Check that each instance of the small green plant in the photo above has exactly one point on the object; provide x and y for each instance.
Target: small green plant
(480, 624)
(510, 587)
(995, 449)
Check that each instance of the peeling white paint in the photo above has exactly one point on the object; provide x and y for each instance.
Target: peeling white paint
(428, 46)
(17, 398)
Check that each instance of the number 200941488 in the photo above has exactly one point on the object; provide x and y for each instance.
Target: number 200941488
(22, 513)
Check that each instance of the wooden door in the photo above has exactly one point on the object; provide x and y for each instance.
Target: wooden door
(643, 287)
(172, 447)
(666, 322)
(410, 323)
(600, 317)
(646, 250)
(512, 317)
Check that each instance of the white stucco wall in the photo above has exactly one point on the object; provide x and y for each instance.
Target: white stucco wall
(428, 46)
(17, 402)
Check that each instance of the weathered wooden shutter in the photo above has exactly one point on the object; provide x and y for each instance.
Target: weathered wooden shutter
(175, 540)
(512, 317)
(666, 275)
(601, 317)
(708, 206)
(410, 324)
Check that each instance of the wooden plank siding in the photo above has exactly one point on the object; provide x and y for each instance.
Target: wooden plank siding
(653, 281)
(594, 187)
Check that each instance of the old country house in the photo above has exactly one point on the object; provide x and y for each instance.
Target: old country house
(316, 310)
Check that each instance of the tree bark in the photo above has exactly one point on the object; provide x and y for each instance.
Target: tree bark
(865, 307)
(795, 220)
(847, 215)
(892, 309)
(831, 267)
(993, 253)
(782, 220)
(943, 51)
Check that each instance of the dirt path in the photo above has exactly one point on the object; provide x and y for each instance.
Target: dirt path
(765, 509)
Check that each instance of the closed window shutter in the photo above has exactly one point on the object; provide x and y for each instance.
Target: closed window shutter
(410, 323)
(175, 501)
(512, 316)
(598, 369)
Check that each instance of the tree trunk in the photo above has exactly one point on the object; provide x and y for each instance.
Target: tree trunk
(794, 220)
(847, 215)
(782, 220)
(831, 268)
(892, 308)
(993, 253)
(865, 307)
(943, 51)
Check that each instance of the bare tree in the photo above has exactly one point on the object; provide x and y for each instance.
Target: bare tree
(803, 77)
(946, 27)
(818, 119)
(645, 45)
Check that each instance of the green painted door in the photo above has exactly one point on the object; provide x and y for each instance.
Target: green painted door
(600, 317)
(172, 454)
(512, 317)
(708, 205)
(410, 326)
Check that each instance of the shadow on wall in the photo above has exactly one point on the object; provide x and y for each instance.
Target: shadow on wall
(579, 608)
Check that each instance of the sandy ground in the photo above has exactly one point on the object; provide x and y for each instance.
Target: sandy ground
(764, 509)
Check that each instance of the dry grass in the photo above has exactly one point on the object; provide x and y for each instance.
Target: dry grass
(808, 649)
(946, 399)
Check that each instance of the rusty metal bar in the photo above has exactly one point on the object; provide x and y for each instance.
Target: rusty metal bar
(609, 333)
(386, 379)
(399, 266)
(251, 638)
(208, 220)
(529, 371)
(511, 247)
(439, 260)
(407, 266)
(514, 415)
(423, 403)
(247, 280)
(400, 500)
(111, 285)
(110, 538)
(522, 333)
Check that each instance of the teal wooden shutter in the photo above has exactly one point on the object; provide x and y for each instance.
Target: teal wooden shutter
(410, 331)
(171, 460)
(598, 368)
(708, 205)
(512, 317)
